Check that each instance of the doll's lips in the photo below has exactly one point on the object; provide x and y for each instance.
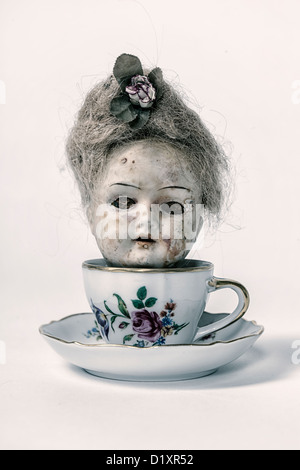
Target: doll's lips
(144, 241)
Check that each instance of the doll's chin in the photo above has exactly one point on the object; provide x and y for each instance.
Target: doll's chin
(153, 256)
(142, 263)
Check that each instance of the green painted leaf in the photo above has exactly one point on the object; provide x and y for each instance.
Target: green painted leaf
(122, 306)
(127, 338)
(138, 304)
(108, 309)
(150, 302)
(157, 80)
(112, 321)
(123, 109)
(127, 66)
(179, 327)
(142, 293)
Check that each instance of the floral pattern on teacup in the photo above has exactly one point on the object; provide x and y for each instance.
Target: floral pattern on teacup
(149, 327)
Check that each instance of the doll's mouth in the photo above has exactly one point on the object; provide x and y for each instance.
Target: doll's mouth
(144, 241)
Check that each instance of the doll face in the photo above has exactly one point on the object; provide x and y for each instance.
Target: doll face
(143, 212)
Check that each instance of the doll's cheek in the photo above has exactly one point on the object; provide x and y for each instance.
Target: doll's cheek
(109, 224)
(176, 250)
(114, 251)
(172, 227)
(105, 227)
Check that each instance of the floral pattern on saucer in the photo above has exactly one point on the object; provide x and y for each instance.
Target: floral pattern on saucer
(171, 363)
(148, 328)
(93, 333)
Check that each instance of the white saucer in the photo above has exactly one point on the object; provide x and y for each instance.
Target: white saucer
(76, 338)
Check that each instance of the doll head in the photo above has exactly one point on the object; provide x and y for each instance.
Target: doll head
(147, 168)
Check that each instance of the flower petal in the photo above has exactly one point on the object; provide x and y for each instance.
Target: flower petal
(146, 104)
(157, 80)
(134, 99)
(131, 90)
(142, 95)
(123, 109)
(127, 66)
(141, 120)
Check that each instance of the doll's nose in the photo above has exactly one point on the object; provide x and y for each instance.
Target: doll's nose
(143, 222)
(147, 227)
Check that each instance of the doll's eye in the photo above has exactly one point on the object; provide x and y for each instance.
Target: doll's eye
(172, 208)
(123, 203)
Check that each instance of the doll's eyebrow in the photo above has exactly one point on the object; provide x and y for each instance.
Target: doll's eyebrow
(125, 184)
(175, 187)
(136, 187)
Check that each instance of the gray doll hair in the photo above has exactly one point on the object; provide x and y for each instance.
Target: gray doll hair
(96, 133)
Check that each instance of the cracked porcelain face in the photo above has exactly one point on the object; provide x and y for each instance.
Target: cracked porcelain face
(143, 212)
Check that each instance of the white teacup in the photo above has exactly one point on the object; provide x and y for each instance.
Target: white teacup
(152, 307)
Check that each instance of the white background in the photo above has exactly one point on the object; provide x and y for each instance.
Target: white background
(239, 62)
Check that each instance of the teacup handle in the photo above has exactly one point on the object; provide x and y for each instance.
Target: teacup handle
(215, 284)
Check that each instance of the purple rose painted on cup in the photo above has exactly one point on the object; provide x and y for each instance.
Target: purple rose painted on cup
(146, 324)
(141, 92)
(145, 307)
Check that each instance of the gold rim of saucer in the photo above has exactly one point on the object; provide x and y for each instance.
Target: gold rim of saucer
(260, 331)
(190, 266)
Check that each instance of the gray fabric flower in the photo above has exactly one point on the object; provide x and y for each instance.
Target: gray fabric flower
(141, 91)
(138, 92)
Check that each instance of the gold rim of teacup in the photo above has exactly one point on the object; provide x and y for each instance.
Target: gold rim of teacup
(189, 266)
